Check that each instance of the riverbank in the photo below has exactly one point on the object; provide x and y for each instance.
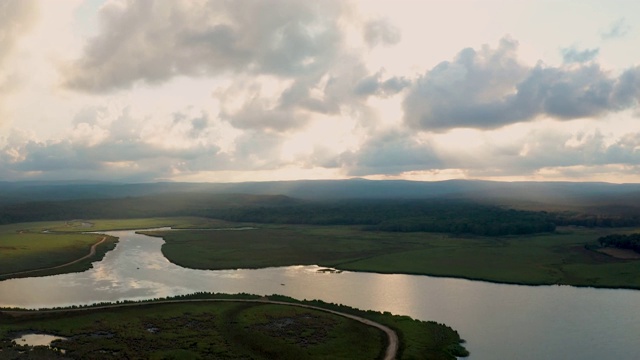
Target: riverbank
(28, 251)
(561, 258)
(62, 247)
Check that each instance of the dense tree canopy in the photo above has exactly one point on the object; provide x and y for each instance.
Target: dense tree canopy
(622, 241)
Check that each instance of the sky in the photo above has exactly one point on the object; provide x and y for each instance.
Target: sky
(229, 91)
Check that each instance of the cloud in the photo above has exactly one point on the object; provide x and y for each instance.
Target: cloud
(490, 88)
(618, 29)
(299, 46)
(539, 150)
(153, 41)
(110, 145)
(17, 18)
(573, 55)
(381, 32)
(373, 85)
(391, 153)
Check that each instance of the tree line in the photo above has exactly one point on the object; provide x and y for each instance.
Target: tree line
(621, 241)
(457, 217)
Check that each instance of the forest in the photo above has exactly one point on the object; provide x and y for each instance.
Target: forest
(456, 214)
(395, 215)
(457, 217)
(621, 241)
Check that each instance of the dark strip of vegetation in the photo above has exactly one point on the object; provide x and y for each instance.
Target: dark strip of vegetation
(451, 216)
(593, 221)
(455, 217)
(621, 241)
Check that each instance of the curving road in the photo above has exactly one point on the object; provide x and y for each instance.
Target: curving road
(92, 252)
(392, 337)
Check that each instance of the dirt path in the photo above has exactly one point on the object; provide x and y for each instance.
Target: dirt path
(392, 337)
(92, 252)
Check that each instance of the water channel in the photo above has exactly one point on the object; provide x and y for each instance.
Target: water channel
(498, 321)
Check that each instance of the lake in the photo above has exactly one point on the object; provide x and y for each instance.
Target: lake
(498, 321)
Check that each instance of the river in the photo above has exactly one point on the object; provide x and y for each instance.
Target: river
(498, 321)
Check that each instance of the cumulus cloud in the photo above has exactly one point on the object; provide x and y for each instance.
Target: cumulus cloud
(104, 144)
(573, 55)
(381, 32)
(490, 88)
(297, 45)
(539, 150)
(155, 40)
(374, 85)
(116, 145)
(390, 153)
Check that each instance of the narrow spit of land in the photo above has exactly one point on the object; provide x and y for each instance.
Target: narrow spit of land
(92, 252)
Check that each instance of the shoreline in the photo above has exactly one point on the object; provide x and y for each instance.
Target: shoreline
(320, 264)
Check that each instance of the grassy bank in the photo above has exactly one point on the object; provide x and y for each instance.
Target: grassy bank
(561, 257)
(228, 330)
(24, 248)
(558, 258)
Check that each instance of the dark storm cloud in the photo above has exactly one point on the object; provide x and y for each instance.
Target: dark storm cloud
(489, 88)
(573, 55)
(381, 32)
(155, 40)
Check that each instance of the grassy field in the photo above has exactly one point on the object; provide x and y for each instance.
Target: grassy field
(126, 224)
(24, 247)
(226, 330)
(558, 258)
(553, 258)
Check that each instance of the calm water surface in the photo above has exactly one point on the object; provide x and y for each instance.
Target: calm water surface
(498, 321)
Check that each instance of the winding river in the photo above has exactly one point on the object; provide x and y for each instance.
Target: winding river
(498, 321)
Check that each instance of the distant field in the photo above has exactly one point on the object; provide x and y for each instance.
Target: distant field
(24, 247)
(146, 223)
(557, 258)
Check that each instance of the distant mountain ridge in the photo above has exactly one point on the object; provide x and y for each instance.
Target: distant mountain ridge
(523, 194)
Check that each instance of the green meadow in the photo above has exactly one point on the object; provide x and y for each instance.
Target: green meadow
(43, 245)
(24, 247)
(562, 257)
